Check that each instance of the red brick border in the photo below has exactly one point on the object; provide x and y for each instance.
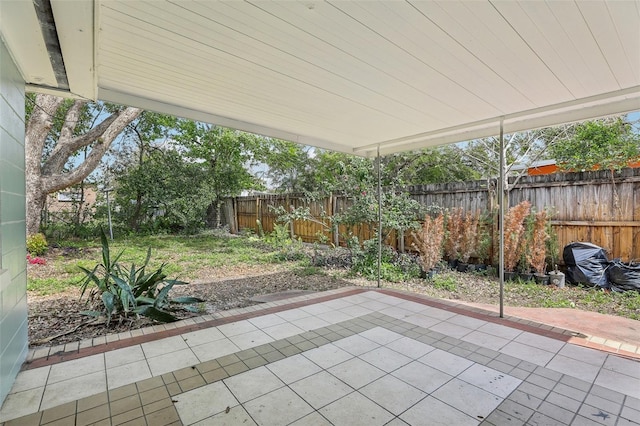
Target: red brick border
(123, 343)
(513, 322)
(568, 336)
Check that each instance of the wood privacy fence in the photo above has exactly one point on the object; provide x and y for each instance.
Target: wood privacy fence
(595, 207)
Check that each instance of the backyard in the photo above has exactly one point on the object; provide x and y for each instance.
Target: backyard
(225, 271)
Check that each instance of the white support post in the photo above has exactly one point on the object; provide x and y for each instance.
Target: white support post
(501, 188)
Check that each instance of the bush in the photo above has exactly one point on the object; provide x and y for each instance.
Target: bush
(428, 241)
(445, 282)
(287, 248)
(394, 267)
(36, 244)
(121, 291)
(514, 232)
(453, 236)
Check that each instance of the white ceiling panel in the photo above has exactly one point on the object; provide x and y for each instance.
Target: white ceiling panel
(352, 76)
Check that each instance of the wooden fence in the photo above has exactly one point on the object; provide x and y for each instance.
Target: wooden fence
(595, 207)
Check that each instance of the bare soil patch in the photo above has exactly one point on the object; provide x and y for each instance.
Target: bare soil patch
(56, 319)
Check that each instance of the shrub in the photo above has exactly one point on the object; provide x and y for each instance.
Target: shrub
(288, 249)
(120, 291)
(36, 244)
(393, 267)
(36, 260)
(469, 236)
(445, 282)
(483, 240)
(454, 234)
(538, 248)
(513, 233)
(428, 241)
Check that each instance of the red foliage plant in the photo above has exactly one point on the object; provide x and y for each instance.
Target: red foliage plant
(514, 231)
(428, 241)
(469, 240)
(538, 248)
(453, 239)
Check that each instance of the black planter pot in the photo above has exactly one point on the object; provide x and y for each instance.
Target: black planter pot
(526, 276)
(510, 275)
(481, 267)
(541, 279)
(462, 267)
(428, 275)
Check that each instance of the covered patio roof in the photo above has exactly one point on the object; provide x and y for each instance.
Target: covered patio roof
(349, 76)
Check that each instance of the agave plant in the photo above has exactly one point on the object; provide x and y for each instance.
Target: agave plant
(122, 291)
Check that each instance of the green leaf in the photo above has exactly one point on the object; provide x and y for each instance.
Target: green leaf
(126, 295)
(108, 299)
(186, 300)
(143, 300)
(94, 314)
(161, 299)
(155, 314)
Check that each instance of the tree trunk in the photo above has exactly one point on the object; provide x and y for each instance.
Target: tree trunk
(218, 213)
(36, 198)
(45, 177)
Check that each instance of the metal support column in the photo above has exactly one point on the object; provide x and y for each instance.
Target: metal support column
(501, 189)
(379, 214)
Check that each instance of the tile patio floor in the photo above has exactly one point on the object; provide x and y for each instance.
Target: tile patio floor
(345, 357)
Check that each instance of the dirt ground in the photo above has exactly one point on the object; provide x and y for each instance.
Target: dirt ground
(56, 319)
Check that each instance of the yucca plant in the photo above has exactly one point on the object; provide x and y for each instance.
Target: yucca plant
(121, 291)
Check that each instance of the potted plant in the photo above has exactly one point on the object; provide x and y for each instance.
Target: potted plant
(483, 243)
(514, 232)
(525, 271)
(468, 240)
(537, 256)
(452, 236)
(428, 240)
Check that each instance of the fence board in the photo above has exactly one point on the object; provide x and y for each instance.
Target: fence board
(583, 208)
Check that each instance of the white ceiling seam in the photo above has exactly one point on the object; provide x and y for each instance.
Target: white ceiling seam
(579, 110)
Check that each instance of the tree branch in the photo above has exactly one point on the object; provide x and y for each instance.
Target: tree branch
(38, 128)
(70, 122)
(58, 181)
(65, 148)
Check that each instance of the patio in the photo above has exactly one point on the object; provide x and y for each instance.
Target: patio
(345, 357)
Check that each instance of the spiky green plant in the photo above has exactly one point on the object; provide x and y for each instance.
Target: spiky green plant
(125, 291)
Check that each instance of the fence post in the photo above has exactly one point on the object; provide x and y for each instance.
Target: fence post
(258, 217)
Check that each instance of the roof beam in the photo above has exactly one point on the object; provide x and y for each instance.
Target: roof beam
(617, 102)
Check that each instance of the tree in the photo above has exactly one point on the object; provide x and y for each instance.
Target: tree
(225, 154)
(607, 144)
(56, 130)
(290, 165)
(431, 165)
(165, 191)
(142, 137)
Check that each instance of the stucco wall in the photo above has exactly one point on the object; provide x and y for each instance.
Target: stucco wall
(13, 268)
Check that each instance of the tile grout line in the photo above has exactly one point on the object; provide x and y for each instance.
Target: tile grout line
(157, 335)
(373, 320)
(567, 336)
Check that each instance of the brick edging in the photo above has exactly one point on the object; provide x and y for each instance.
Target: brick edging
(564, 335)
(131, 341)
